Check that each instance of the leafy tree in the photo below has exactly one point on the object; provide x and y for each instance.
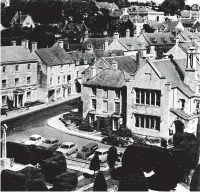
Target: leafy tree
(100, 182)
(95, 163)
(112, 157)
(195, 182)
(124, 132)
(172, 6)
(148, 29)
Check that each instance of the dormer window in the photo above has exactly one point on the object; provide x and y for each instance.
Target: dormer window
(172, 39)
(89, 46)
(153, 40)
(164, 40)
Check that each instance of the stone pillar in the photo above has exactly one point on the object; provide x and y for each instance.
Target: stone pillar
(4, 150)
(61, 92)
(17, 101)
(55, 94)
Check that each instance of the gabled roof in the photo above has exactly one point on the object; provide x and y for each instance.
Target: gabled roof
(168, 69)
(127, 42)
(106, 5)
(75, 26)
(183, 115)
(116, 13)
(188, 22)
(12, 54)
(159, 38)
(54, 56)
(187, 13)
(125, 63)
(98, 43)
(109, 78)
(154, 24)
(187, 36)
(186, 45)
(102, 53)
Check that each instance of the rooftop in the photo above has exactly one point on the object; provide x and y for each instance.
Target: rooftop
(18, 54)
(54, 56)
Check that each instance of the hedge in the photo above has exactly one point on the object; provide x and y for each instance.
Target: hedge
(22, 180)
(195, 182)
(180, 137)
(65, 182)
(15, 150)
(53, 167)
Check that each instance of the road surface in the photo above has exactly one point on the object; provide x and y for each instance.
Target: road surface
(21, 128)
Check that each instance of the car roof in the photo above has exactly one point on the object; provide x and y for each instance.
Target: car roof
(90, 145)
(35, 135)
(67, 143)
(51, 139)
(102, 150)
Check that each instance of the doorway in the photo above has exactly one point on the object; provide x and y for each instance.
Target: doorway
(179, 126)
(51, 95)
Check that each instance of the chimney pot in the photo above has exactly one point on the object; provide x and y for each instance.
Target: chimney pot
(23, 43)
(127, 33)
(34, 46)
(93, 71)
(116, 35)
(26, 45)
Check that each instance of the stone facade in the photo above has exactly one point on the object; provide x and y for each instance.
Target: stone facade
(19, 80)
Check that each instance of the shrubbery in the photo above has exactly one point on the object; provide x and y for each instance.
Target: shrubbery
(100, 182)
(53, 167)
(195, 182)
(65, 182)
(23, 180)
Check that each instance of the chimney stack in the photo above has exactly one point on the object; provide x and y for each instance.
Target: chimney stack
(106, 45)
(23, 43)
(26, 44)
(33, 46)
(13, 43)
(116, 35)
(132, 47)
(114, 64)
(127, 33)
(177, 40)
(93, 71)
(61, 44)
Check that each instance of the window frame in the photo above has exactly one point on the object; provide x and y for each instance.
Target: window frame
(105, 109)
(16, 82)
(117, 103)
(28, 80)
(3, 69)
(16, 68)
(94, 104)
(4, 83)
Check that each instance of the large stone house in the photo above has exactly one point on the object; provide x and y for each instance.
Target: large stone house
(153, 97)
(57, 73)
(19, 81)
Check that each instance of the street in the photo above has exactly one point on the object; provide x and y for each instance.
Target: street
(21, 128)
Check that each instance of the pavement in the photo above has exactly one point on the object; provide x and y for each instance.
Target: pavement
(37, 108)
(57, 124)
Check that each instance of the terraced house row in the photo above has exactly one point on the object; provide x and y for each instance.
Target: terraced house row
(42, 75)
(151, 97)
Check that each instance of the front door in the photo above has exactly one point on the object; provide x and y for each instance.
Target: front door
(20, 100)
(179, 126)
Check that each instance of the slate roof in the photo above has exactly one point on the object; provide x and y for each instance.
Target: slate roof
(109, 78)
(154, 24)
(11, 54)
(102, 53)
(54, 56)
(80, 56)
(188, 22)
(187, 36)
(186, 45)
(106, 5)
(161, 38)
(170, 25)
(168, 70)
(98, 43)
(126, 43)
(125, 63)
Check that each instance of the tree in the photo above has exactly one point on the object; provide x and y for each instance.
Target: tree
(100, 182)
(195, 182)
(172, 6)
(95, 163)
(112, 157)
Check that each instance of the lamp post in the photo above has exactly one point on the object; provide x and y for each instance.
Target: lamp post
(4, 127)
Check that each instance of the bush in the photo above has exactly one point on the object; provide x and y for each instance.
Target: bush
(100, 182)
(112, 157)
(95, 163)
(53, 167)
(15, 150)
(23, 180)
(12, 181)
(195, 182)
(65, 182)
(179, 137)
(124, 132)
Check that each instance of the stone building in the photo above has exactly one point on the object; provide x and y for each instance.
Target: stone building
(160, 97)
(57, 73)
(19, 81)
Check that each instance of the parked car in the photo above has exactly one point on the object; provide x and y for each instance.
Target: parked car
(116, 141)
(51, 143)
(67, 148)
(102, 153)
(34, 140)
(87, 150)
